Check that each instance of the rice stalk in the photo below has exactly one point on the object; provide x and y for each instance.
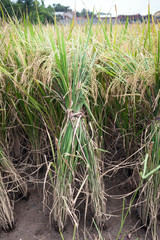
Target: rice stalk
(74, 146)
(6, 208)
(149, 210)
(10, 183)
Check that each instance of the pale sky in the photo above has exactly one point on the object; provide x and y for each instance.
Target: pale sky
(123, 6)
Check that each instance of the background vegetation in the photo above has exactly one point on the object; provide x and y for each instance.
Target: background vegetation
(35, 10)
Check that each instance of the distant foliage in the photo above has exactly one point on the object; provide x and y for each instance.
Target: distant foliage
(60, 8)
(35, 9)
(31, 8)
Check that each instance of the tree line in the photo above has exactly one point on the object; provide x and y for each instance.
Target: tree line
(34, 10)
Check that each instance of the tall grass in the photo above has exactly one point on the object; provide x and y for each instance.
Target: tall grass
(63, 91)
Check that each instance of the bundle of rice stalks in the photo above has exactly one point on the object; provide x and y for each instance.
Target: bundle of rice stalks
(76, 158)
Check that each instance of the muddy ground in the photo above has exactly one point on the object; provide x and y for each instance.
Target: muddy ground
(32, 223)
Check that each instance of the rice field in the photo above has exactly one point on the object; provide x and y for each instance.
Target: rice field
(71, 97)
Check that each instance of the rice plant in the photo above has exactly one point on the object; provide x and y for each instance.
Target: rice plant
(149, 209)
(10, 183)
(6, 208)
(75, 146)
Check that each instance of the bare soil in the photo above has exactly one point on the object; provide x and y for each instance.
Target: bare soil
(33, 224)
